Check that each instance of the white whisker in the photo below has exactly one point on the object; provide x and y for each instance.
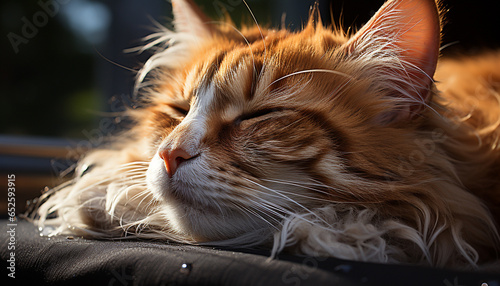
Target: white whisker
(311, 71)
(258, 26)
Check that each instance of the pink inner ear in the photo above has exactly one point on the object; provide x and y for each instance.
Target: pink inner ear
(421, 41)
(414, 28)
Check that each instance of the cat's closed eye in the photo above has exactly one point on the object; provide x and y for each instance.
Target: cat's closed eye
(181, 111)
(257, 114)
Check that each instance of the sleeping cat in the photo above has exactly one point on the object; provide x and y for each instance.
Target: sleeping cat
(313, 142)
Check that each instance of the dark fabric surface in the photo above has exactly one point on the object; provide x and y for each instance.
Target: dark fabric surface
(76, 261)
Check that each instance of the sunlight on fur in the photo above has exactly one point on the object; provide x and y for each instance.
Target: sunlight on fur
(315, 142)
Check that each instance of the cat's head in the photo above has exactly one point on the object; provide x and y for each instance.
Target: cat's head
(248, 126)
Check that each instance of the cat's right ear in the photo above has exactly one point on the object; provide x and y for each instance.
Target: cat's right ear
(409, 32)
(189, 19)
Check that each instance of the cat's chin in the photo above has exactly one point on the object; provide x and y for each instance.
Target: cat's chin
(209, 226)
(195, 219)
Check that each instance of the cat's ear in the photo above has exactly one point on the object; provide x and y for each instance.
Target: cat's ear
(189, 19)
(409, 30)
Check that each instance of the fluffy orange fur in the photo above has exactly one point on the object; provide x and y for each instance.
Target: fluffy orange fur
(314, 142)
(471, 89)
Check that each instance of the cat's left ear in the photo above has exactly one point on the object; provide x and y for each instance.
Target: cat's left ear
(409, 30)
(189, 19)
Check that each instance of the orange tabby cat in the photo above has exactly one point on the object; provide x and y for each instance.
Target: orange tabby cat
(314, 142)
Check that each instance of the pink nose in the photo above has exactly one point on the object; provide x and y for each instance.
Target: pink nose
(173, 159)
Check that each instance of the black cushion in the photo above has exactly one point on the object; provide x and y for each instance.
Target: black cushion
(67, 260)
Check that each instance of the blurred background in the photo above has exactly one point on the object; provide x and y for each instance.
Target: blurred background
(64, 73)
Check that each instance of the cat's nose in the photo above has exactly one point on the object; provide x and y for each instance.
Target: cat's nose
(173, 159)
